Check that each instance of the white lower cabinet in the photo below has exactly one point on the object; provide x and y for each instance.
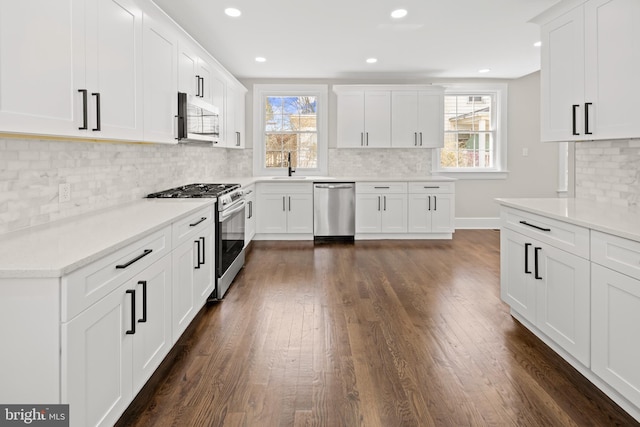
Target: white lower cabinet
(431, 207)
(583, 299)
(615, 308)
(381, 207)
(550, 288)
(250, 216)
(285, 209)
(193, 267)
(113, 347)
(121, 315)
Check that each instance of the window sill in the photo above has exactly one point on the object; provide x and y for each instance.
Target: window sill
(475, 175)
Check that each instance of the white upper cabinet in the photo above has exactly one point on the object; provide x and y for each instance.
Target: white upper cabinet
(612, 58)
(160, 43)
(390, 116)
(114, 69)
(590, 63)
(71, 68)
(235, 116)
(195, 72)
(364, 118)
(104, 69)
(38, 45)
(417, 118)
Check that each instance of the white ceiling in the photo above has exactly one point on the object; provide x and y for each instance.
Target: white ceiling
(333, 38)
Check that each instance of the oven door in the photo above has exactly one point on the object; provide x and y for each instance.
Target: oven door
(230, 236)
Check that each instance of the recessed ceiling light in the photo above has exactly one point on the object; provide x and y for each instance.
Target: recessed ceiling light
(261, 59)
(372, 60)
(232, 12)
(537, 44)
(399, 13)
(484, 70)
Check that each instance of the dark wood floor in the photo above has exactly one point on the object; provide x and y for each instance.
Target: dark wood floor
(373, 333)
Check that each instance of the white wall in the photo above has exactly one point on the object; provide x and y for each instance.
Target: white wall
(531, 176)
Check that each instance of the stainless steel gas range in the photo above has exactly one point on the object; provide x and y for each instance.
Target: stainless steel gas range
(229, 248)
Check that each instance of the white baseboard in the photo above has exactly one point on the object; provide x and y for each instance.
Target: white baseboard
(477, 223)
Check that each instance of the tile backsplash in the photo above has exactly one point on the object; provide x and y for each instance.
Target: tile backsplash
(101, 175)
(380, 162)
(609, 172)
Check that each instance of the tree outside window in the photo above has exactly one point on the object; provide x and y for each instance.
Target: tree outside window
(291, 126)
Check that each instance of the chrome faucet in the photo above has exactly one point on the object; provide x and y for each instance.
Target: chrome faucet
(290, 169)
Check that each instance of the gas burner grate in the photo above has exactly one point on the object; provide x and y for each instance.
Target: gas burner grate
(195, 191)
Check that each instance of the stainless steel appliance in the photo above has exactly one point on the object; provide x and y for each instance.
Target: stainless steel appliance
(334, 210)
(198, 121)
(230, 240)
(230, 223)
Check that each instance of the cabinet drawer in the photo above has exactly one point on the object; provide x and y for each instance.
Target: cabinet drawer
(285, 188)
(381, 187)
(562, 235)
(618, 254)
(431, 187)
(87, 285)
(187, 227)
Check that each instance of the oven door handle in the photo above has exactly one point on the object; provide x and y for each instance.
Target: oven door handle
(230, 212)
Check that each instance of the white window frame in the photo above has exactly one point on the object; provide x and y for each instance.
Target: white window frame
(500, 93)
(260, 93)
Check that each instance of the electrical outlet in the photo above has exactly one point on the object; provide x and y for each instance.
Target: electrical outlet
(525, 152)
(64, 193)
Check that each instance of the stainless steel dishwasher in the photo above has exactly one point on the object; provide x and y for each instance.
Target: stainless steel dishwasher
(334, 210)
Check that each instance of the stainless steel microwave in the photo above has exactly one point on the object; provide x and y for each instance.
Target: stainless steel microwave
(198, 121)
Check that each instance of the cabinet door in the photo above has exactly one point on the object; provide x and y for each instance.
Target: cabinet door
(187, 69)
(419, 215)
(235, 117)
(114, 68)
(442, 213)
(205, 71)
(160, 81)
(184, 308)
(404, 119)
(250, 216)
(350, 126)
(615, 333)
(377, 119)
(563, 299)
(204, 270)
(219, 94)
(272, 217)
(394, 213)
(152, 340)
(96, 360)
(430, 119)
(562, 77)
(368, 211)
(300, 213)
(612, 67)
(41, 38)
(516, 268)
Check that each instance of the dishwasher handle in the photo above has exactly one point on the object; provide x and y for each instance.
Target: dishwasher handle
(334, 186)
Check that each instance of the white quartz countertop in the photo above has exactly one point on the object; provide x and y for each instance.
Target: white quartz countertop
(57, 248)
(603, 217)
(246, 181)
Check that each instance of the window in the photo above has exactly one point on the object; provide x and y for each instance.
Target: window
(291, 119)
(474, 131)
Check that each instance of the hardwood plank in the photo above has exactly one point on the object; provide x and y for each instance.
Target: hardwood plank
(371, 333)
